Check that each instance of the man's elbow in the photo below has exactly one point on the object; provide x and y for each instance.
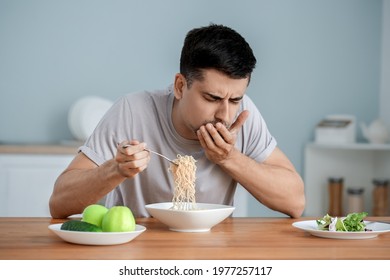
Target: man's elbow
(299, 201)
(54, 210)
(298, 209)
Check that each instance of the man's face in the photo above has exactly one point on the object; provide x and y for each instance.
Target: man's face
(214, 99)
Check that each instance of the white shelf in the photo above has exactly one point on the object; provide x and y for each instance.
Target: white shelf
(357, 163)
(352, 146)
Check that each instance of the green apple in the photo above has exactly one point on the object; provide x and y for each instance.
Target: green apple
(94, 214)
(118, 219)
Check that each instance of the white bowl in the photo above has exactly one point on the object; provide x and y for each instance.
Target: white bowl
(199, 220)
(85, 114)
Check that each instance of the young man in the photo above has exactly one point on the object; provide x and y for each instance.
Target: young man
(205, 114)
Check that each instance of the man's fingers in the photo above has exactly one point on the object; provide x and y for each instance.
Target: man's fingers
(239, 122)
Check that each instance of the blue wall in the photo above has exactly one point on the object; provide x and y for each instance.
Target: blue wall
(315, 58)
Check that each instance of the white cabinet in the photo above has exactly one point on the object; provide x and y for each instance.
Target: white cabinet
(357, 163)
(26, 182)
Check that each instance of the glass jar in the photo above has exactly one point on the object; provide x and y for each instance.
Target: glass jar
(380, 197)
(355, 200)
(335, 188)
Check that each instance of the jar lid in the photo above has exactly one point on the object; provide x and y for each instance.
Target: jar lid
(380, 182)
(355, 190)
(335, 179)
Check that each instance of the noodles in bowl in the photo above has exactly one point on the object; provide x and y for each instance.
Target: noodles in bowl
(184, 175)
(179, 215)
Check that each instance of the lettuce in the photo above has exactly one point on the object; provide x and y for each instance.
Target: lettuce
(352, 222)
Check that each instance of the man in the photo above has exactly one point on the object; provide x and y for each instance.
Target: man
(205, 114)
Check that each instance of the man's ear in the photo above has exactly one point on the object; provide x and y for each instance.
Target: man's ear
(180, 83)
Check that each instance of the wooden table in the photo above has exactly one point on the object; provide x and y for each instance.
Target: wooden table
(234, 238)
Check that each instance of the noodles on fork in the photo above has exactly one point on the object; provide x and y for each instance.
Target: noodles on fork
(184, 178)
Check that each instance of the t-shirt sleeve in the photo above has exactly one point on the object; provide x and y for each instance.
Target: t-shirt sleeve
(257, 141)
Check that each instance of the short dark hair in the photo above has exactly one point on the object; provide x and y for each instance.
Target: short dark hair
(216, 47)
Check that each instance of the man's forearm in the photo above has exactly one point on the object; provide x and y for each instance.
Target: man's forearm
(277, 187)
(77, 188)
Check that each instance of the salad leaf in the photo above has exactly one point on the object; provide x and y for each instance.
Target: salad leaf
(323, 224)
(340, 226)
(352, 222)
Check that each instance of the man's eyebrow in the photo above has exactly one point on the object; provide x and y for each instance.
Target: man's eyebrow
(237, 98)
(211, 95)
(218, 97)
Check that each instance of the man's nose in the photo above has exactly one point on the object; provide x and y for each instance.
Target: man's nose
(222, 114)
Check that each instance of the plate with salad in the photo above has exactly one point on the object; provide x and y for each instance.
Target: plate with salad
(353, 226)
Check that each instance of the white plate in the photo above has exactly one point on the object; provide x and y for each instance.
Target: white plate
(96, 238)
(199, 220)
(376, 227)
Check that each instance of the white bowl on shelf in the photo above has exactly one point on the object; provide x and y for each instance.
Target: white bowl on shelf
(85, 114)
(200, 220)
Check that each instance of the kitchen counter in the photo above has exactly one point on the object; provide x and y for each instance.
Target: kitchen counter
(40, 149)
(234, 238)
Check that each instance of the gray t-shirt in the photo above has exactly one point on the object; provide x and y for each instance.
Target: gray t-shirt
(146, 116)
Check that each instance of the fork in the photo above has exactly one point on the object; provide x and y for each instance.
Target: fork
(153, 152)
